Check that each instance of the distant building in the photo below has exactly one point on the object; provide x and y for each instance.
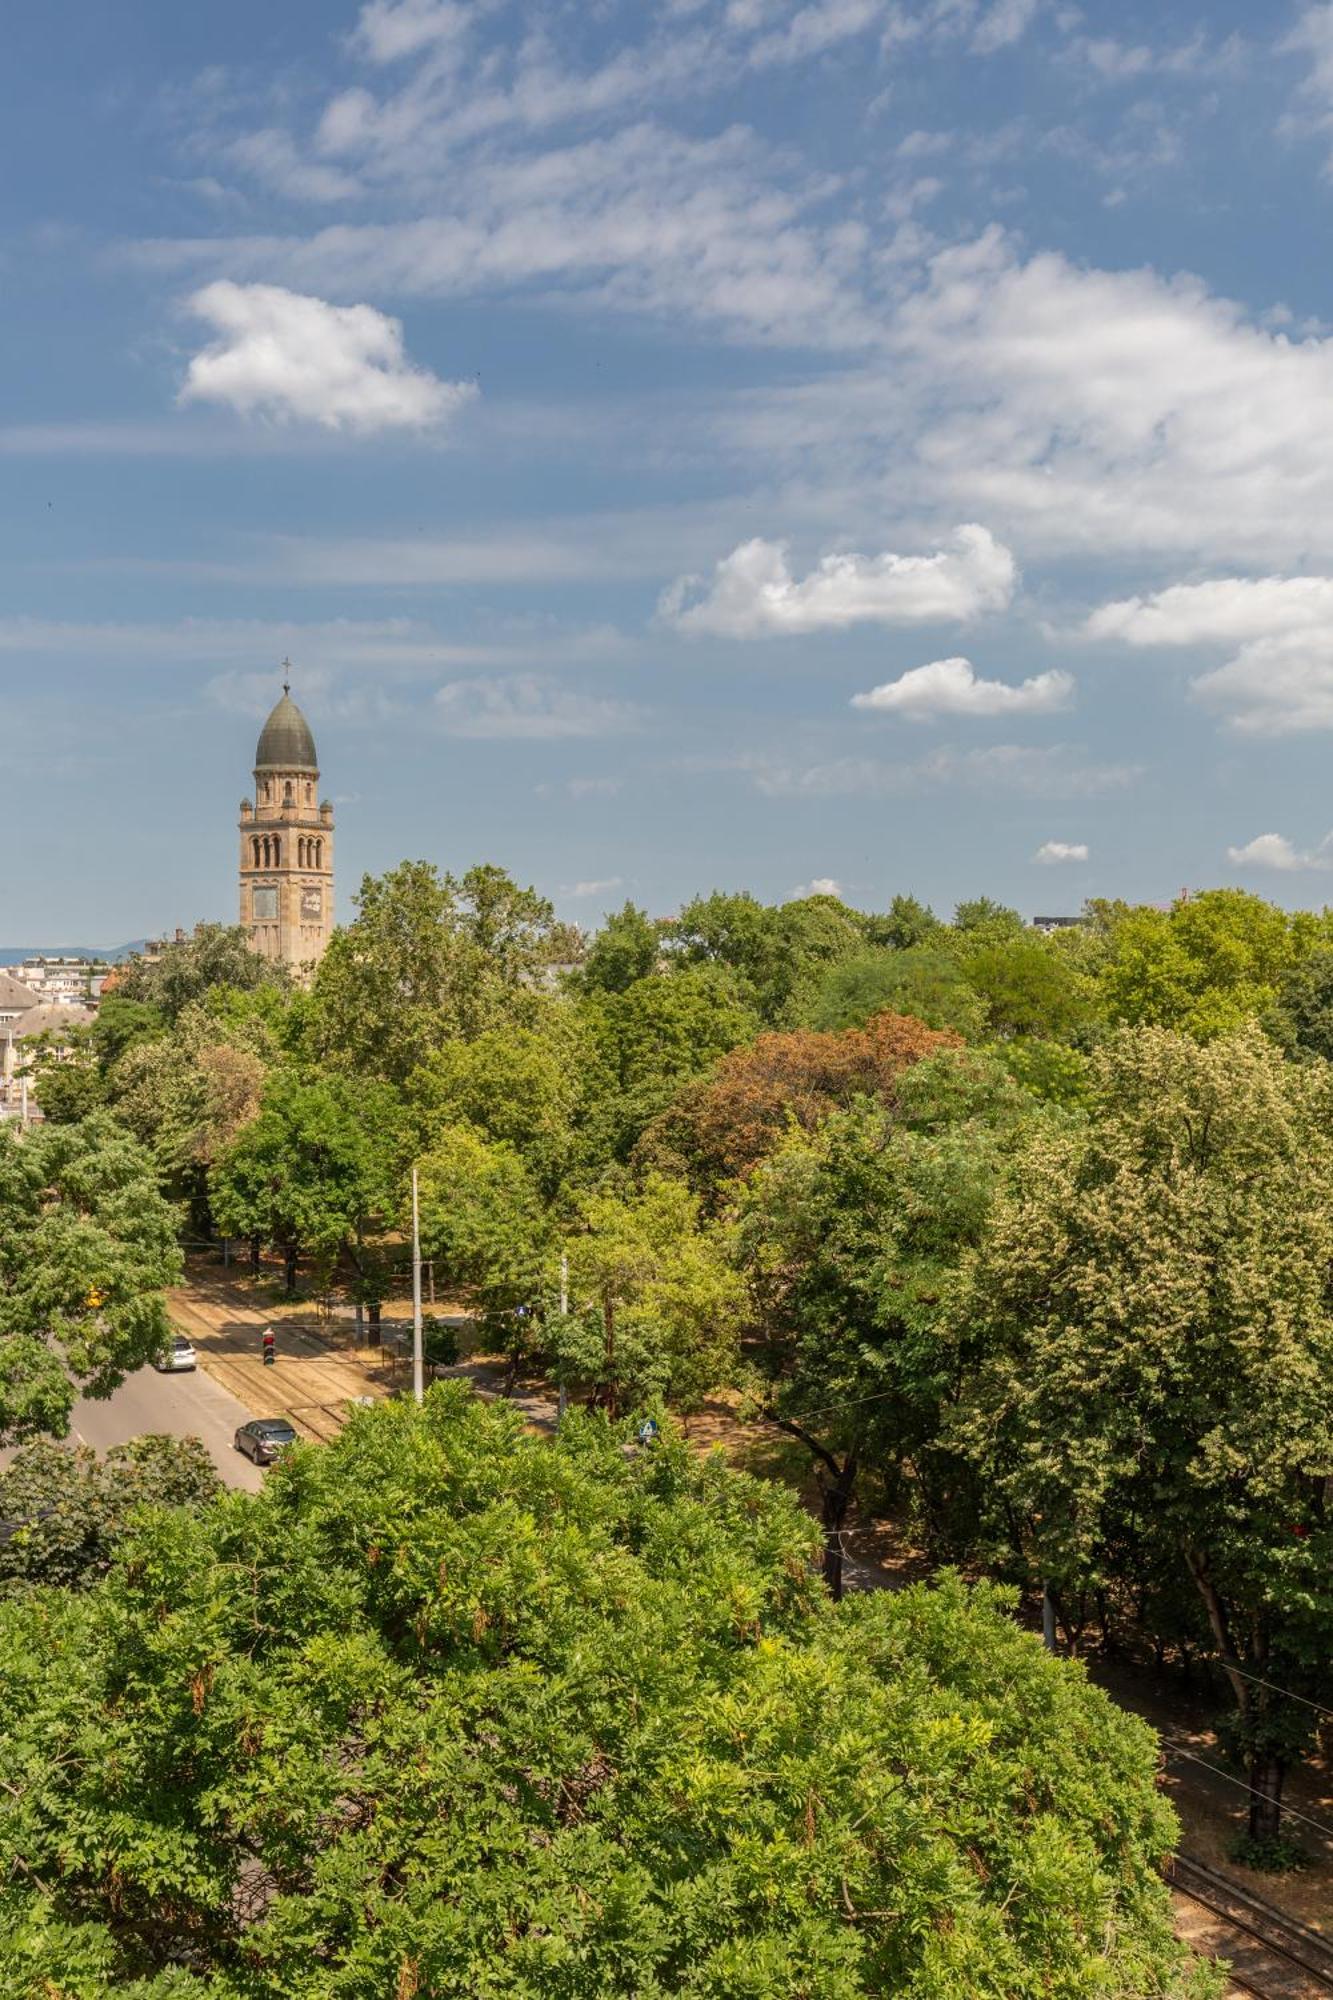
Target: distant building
(286, 882)
(67, 981)
(1049, 924)
(24, 1017)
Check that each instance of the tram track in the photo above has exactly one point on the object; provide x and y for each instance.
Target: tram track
(1271, 1955)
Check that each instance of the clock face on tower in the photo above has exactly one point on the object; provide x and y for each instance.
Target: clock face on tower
(312, 904)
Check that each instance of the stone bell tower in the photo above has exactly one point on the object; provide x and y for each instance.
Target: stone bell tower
(287, 844)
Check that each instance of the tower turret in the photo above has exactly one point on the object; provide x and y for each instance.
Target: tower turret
(287, 845)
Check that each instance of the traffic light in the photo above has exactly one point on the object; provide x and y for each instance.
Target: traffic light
(268, 1347)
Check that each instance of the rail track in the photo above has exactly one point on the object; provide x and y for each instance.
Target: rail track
(1271, 1955)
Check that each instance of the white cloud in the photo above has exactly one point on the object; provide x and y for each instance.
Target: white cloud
(1280, 680)
(723, 229)
(388, 30)
(1003, 23)
(753, 592)
(822, 885)
(1112, 61)
(595, 888)
(1052, 852)
(282, 354)
(1086, 405)
(1230, 609)
(529, 706)
(1312, 37)
(951, 687)
(1057, 772)
(1282, 686)
(1275, 851)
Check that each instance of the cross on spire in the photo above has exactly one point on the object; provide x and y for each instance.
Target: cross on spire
(286, 675)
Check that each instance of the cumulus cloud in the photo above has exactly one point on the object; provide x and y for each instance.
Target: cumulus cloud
(822, 885)
(1281, 686)
(1052, 852)
(529, 706)
(1279, 682)
(1228, 609)
(285, 355)
(1275, 851)
(1085, 405)
(952, 687)
(753, 593)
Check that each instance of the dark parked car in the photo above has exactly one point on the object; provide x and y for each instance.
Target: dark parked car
(265, 1438)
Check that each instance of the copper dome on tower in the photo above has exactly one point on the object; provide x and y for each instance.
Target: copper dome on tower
(285, 742)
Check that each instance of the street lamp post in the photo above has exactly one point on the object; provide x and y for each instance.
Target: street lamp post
(418, 1360)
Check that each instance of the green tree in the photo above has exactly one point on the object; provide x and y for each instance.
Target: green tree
(1206, 966)
(848, 1238)
(626, 948)
(483, 1222)
(1151, 1313)
(982, 921)
(1301, 1018)
(427, 957)
(928, 985)
(449, 1709)
(655, 1304)
(904, 926)
(520, 1085)
(648, 1041)
(87, 1246)
(1028, 989)
(318, 1168)
(775, 953)
(62, 1512)
(188, 968)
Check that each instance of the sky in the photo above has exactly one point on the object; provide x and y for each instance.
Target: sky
(872, 445)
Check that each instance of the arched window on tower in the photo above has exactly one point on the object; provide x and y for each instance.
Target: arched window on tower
(277, 852)
(319, 852)
(310, 795)
(287, 793)
(300, 850)
(255, 846)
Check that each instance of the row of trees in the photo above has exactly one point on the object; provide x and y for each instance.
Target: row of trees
(1024, 1235)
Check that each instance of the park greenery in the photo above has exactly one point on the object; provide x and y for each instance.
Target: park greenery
(449, 1710)
(1024, 1239)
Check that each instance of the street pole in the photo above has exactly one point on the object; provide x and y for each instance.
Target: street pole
(418, 1364)
(564, 1314)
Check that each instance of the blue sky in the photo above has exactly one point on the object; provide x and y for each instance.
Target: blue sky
(727, 443)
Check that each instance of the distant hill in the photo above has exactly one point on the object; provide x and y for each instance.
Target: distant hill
(14, 954)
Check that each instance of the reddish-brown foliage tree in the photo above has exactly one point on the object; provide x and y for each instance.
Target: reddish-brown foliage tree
(720, 1127)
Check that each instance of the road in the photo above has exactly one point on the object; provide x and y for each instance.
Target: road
(186, 1405)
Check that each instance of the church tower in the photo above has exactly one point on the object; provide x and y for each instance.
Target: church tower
(287, 845)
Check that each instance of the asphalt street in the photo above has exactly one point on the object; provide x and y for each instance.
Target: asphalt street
(187, 1405)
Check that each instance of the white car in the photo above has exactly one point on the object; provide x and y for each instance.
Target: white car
(180, 1355)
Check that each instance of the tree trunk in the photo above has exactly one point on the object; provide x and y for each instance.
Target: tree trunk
(836, 1494)
(254, 1256)
(289, 1256)
(373, 1323)
(1267, 1774)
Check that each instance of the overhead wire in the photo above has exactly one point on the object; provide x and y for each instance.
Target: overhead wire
(1171, 1749)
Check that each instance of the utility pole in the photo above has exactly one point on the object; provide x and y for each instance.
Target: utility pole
(418, 1362)
(564, 1314)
